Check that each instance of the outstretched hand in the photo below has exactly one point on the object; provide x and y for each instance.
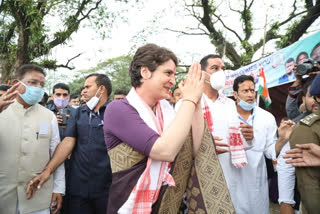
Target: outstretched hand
(285, 129)
(8, 97)
(304, 155)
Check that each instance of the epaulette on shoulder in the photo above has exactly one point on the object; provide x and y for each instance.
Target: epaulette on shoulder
(310, 119)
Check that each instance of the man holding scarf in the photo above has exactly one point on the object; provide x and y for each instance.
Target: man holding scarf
(249, 185)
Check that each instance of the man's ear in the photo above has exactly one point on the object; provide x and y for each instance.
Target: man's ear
(145, 72)
(235, 95)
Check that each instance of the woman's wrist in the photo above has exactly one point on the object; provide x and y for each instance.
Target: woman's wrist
(190, 100)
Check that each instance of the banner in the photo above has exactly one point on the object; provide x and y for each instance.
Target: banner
(278, 67)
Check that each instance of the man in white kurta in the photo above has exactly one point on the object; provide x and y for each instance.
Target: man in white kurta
(249, 185)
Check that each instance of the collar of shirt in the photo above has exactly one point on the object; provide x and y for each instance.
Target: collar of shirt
(250, 118)
(103, 107)
(221, 98)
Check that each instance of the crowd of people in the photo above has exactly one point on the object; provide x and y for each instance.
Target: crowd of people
(147, 151)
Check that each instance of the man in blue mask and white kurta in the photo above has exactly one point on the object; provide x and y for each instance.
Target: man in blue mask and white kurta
(249, 185)
(28, 137)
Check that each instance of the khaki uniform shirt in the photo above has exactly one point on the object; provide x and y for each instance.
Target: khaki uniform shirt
(308, 131)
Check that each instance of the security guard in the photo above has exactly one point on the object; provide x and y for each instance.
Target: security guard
(308, 131)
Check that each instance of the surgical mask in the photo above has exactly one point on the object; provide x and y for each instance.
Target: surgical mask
(93, 101)
(247, 106)
(217, 80)
(75, 107)
(32, 95)
(61, 102)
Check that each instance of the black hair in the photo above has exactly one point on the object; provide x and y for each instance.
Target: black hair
(151, 56)
(74, 96)
(102, 79)
(120, 91)
(290, 60)
(204, 60)
(61, 86)
(305, 87)
(22, 70)
(300, 54)
(241, 79)
(314, 48)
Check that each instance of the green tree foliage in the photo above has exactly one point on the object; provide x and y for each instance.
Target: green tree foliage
(235, 40)
(116, 69)
(27, 34)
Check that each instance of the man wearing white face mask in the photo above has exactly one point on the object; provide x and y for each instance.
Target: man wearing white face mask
(90, 172)
(249, 185)
(222, 119)
(29, 135)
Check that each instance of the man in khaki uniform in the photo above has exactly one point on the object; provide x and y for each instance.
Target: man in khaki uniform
(308, 131)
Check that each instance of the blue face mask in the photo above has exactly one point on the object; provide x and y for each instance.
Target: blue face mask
(247, 106)
(32, 95)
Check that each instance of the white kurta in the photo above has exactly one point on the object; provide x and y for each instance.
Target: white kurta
(286, 178)
(248, 186)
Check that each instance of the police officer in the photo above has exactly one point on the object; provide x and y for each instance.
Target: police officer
(308, 131)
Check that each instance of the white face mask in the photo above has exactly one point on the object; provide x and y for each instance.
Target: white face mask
(217, 80)
(93, 101)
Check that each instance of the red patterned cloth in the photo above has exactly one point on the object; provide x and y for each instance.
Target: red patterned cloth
(156, 174)
(238, 154)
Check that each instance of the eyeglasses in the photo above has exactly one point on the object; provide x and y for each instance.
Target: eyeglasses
(35, 83)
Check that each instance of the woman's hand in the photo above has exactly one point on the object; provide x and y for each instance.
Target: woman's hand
(192, 87)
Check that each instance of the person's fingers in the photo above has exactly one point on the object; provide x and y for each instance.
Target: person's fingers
(190, 75)
(217, 138)
(221, 144)
(59, 204)
(198, 72)
(293, 151)
(304, 146)
(12, 95)
(295, 155)
(221, 150)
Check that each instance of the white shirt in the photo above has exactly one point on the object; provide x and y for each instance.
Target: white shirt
(248, 186)
(286, 178)
(59, 173)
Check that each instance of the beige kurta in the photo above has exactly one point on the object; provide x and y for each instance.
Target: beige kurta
(24, 152)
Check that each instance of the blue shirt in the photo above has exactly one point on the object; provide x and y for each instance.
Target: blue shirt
(90, 171)
(70, 111)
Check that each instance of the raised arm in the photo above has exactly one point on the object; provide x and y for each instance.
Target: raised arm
(170, 142)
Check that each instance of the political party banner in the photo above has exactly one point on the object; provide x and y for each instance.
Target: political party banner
(278, 67)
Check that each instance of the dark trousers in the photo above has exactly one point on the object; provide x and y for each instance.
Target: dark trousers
(79, 205)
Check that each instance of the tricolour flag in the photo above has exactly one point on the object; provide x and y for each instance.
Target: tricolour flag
(263, 90)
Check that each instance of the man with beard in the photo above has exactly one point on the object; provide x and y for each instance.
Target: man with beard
(308, 131)
(288, 196)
